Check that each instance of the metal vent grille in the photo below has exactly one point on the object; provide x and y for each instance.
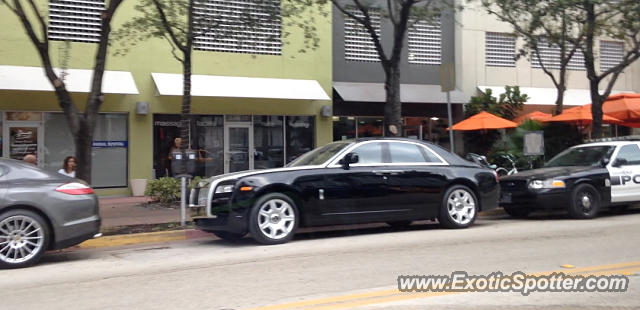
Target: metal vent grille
(75, 20)
(550, 54)
(358, 45)
(500, 49)
(239, 26)
(611, 54)
(425, 43)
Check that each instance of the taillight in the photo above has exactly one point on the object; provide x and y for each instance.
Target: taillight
(75, 188)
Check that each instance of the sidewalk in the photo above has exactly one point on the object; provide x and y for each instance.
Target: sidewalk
(129, 211)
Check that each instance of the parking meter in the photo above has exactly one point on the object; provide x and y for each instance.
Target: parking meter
(191, 158)
(177, 162)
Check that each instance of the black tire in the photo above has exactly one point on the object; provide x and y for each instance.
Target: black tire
(585, 202)
(289, 228)
(400, 224)
(228, 236)
(517, 212)
(7, 250)
(446, 220)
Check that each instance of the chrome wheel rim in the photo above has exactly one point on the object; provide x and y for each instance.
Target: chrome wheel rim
(276, 219)
(21, 238)
(586, 202)
(461, 206)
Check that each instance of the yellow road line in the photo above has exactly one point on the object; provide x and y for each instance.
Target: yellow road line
(383, 299)
(383, 296)
(122, 240)
(328, 300)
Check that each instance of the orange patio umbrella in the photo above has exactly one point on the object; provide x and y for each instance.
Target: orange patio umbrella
(535, 116)
(624, 106)
(483, 121)
(582, 116)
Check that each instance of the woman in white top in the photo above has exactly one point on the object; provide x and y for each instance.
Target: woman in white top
(69, 167)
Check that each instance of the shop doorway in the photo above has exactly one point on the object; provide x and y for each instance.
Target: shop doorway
(238, 151)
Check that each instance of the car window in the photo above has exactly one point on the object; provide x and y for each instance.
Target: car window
(631, 153)
(369, 153)
(410, 153)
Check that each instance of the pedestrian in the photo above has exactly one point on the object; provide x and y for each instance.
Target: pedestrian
(30, 159)
(69, 167)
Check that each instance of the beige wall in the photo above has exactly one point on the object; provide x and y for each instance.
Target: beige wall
(473, 23)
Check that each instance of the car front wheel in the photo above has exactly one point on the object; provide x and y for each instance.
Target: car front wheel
(273, 219)
(459, 207)
(585, 202)
(24, 236)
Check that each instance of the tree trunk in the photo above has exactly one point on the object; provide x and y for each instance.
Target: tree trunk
(393, 105)
(84, 147)
(589, 61)
(561, 87)
(596, 110)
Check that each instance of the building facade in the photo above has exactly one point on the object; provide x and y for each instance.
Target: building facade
(253, 106)
(358, 78)
(486, 60)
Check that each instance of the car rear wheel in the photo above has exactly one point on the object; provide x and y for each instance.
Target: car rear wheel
(228, 236)
(585, 202)
(24, 237)
(459, 207)
(273, 219)
(517, 212)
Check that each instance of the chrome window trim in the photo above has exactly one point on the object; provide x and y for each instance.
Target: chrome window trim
(333, 162)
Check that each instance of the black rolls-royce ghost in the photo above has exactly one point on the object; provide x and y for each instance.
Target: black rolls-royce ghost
(390, 180)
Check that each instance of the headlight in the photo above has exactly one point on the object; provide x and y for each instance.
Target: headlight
(540, 184)
(222, 189)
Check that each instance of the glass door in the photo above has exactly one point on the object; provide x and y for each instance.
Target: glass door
(238, 147)
(22, 139)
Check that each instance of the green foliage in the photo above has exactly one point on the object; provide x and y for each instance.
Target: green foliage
(165, 190)
(507, 106)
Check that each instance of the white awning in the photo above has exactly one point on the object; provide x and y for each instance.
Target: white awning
(547, 96)
(76, 80)
(411, 93)
(170, 84)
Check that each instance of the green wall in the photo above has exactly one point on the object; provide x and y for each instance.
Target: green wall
(155, 56)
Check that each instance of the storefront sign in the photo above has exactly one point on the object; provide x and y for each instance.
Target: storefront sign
(110, 144)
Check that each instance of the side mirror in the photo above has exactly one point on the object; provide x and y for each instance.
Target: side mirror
(350, 158)
(619, 162)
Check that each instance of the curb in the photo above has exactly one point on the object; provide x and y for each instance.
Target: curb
(141, 238)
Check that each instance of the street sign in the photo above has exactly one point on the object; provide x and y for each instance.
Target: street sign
(447, 77)
(447, 83)
(533, 143)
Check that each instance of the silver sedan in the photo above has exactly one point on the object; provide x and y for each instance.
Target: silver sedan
(41, 210)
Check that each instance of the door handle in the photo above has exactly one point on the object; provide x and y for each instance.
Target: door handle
(387, 172)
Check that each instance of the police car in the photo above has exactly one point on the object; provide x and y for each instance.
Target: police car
(582, 180)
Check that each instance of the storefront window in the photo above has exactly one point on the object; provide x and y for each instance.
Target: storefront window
(206, 136)
(209, 138)
(110, 147)
(268, 140)
(370, 127)
(300, 133)
(344, 127)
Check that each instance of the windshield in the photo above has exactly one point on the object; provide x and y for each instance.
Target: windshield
(582, 156)
(320, 155)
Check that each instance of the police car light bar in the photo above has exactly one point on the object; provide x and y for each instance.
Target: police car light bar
(623, 138)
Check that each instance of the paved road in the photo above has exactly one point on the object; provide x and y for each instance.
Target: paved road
(354, 268)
